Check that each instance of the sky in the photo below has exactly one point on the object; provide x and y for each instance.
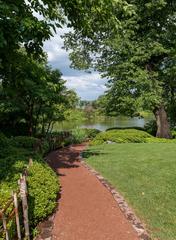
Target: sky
(87, 85)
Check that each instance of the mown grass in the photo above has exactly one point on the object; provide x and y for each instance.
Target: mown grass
(145, 174)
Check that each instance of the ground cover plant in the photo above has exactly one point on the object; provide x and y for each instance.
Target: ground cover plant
(127, 136)
(121, 136)
(145, 175)
(42, 182)
(80, 135)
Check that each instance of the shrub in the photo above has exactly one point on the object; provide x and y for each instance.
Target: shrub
(97, 141)
(63, 138)
(30, 143)
(4, 145)
(151, 127)
(42, 181)
(59, 139)
(91, 132)
(160, 140)
(125, 128)
(79, 135)
(24, 142)
(173, 133)
(43, 188)
(3, 140)
(121, 136)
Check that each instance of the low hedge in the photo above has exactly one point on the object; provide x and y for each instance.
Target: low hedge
(160, 140)
(128, 136)
(121, 136)
(43, 188)
(125, 128)
(43, 184)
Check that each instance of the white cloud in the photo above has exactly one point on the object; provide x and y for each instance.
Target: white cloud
(55, 44)
(87, 86)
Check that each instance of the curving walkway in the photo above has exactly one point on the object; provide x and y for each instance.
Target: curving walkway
(87, 210)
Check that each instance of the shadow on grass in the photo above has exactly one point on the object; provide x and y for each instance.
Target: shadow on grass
(88, 153)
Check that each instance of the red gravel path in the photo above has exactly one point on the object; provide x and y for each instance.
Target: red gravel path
(87, 210)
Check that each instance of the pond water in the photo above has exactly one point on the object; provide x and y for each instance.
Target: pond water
(104, 123)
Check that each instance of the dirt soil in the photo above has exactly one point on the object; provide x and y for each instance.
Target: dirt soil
(87, 210)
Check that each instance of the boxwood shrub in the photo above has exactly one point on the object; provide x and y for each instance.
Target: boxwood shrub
(43, 188)
(91, 132)
(121, 136)
(160, 140)
(128, 136)
(43, 184)
(125, 128)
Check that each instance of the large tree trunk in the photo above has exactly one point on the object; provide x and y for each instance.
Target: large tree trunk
(163, 128)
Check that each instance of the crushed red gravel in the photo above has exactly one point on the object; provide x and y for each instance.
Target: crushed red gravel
(87, 210)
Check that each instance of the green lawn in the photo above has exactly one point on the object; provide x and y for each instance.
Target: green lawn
(145, 174)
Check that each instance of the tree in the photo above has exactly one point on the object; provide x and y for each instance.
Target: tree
(19, 26)
(37, 96)
(30, 23)
(138, 59)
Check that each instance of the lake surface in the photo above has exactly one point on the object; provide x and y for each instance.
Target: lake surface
(104, 123)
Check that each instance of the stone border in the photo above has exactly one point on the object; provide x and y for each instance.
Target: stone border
(128, 212)
(45, 228)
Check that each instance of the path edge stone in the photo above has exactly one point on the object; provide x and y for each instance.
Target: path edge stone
(136, 223)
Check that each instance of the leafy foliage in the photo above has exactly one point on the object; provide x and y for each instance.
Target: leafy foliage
(20, 25)
(121, 136)
(123, 128)
(91, 132)
(43, 183)
(139, 77)
(174, 133)
(151, 127)
(79, 135)
(36, 98)
(43, 189)
(127, 135)
(24, 142)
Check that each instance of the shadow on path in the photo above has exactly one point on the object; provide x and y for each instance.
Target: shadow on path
(67, 157)
(87, 210)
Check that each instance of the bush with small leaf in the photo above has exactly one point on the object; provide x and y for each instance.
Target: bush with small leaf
(91, 132)
(43, 188)
(79, 135)
(121, 136)
(43, 183)
(151, 127)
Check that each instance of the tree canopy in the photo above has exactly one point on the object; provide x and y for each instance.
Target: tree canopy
(32, 94)
(35, 99)
(137, 56)
(132, 43)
